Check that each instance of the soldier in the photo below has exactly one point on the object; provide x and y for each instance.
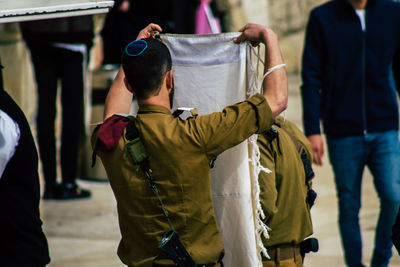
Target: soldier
(179, 151)
(284, 192)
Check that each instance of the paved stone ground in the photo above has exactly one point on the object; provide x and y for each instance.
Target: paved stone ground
(85, 233)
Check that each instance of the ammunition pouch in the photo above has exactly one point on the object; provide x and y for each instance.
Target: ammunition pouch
(308, 245)
(311, 196)
(307, 166)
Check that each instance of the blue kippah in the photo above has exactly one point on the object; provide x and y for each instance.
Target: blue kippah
(136, 48)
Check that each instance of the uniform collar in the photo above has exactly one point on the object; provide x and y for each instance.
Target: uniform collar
(145, 109)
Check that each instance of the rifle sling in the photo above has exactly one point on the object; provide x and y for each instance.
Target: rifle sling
(140, 157)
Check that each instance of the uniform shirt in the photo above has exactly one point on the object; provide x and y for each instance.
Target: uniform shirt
(180, 153)
(9, 137)
(283, 192)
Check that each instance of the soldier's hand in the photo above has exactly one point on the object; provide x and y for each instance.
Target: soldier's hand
(149, 31)
(256, 34)
(317, 146)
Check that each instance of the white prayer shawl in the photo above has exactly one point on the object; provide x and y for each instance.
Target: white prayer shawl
(211, 72)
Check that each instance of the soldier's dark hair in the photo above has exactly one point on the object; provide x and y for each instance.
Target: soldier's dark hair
(145, 64)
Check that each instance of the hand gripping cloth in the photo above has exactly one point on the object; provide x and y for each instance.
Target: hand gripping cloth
(211, 72)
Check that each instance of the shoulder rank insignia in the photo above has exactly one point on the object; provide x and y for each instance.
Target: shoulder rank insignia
(183, 111)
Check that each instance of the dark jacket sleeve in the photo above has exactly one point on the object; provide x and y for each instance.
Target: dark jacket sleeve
(312, 75)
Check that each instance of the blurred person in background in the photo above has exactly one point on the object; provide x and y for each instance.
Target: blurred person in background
(351, 55)
(59, 51)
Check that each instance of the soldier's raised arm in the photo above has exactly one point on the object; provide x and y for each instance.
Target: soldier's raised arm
(275, 88)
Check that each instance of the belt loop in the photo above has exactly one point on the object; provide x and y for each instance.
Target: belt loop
(294, 253)
(278, 257)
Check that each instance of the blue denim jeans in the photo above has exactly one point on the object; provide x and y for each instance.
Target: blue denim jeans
(380, 152)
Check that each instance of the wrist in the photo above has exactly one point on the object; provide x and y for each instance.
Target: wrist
(269, 36)
(264, 35)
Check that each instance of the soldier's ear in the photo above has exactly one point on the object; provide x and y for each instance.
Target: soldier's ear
(127, 85)
(169, 79)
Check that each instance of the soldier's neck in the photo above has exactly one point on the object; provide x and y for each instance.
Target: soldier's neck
(162, 99)
(358, 4)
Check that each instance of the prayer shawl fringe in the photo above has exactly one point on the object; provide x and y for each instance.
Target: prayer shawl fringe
(254, 158)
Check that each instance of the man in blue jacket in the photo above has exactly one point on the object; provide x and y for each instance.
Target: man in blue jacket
(351, 64)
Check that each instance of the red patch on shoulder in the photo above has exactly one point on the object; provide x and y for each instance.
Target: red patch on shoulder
(111, 131)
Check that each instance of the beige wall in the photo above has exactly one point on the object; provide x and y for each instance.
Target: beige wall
(18, 71)
(242, 11)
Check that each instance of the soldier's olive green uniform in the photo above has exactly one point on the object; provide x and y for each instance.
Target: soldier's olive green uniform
(284, 192)
(180, 154)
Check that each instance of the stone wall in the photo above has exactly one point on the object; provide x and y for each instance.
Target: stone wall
(288, 18)
(239, 12)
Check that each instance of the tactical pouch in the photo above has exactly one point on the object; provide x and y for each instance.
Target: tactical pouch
(135, 146)
(308, 245)
(307, 166)
(311, 196)
(137, 151)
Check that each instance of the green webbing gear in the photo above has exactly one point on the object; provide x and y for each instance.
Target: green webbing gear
(308, 171)
(139, 155)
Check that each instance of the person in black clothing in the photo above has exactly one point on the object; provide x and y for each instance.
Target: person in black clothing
(22, 241)
(59, 51)
(127, 18)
